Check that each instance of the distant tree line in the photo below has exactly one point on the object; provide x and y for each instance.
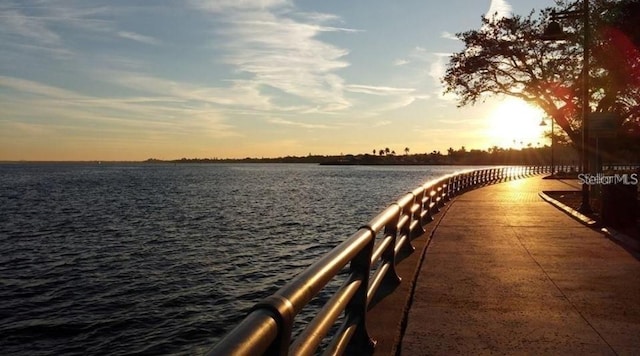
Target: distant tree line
(563, 154)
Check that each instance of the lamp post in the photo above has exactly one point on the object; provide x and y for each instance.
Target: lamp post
(554, 32)
(544, 123)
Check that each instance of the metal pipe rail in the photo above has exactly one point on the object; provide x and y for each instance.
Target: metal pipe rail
(372, 259)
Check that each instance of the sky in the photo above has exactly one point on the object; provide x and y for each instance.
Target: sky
(139, 79)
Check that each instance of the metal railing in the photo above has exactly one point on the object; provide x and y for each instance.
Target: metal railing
(267, 329)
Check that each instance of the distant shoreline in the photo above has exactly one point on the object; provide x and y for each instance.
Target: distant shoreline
(234, 162)
(495, 156)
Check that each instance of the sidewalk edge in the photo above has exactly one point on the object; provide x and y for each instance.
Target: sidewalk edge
(628, 243)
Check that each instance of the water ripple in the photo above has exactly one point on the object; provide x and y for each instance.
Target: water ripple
(162, 259)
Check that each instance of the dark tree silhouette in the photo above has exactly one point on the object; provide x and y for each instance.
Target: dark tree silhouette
(507, 57)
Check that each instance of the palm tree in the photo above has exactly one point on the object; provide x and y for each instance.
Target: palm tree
(387, 150)
(406, 150)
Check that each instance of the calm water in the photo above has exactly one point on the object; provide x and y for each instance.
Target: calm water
(164, 259)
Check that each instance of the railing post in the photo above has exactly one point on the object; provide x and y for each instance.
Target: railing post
(439, 196)
(392, 278)
(456, 182)
(427, 200)
(406, 228)
(361, 343)
(284, 313)
(454, 185)
(417, 215)
(466, 180)
(406, 248)
(447, 189)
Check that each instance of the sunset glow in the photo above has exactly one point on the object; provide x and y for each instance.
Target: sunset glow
(101, 80)
(516, 124)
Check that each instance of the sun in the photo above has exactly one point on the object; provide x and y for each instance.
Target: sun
(516, 124)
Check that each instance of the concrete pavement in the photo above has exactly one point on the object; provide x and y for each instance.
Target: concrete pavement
(507, 273)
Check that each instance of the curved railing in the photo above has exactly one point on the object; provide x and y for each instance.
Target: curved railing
(267, 329)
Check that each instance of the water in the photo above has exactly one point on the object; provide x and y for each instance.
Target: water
(164, 259)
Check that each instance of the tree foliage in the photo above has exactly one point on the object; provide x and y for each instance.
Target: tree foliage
(507, 56)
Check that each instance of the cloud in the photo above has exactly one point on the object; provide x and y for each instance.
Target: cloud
(499, 8)
(240, 93)
(388, 98)
(279, 48)
(400, 62)
(138, 38)
(226, 5)
(18, 24)
(166, 115)
(57, 27)
(438, 67)
(35, 88)
(449, 36)
(377, 90)
(279, 121)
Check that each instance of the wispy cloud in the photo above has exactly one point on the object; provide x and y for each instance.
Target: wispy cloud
(15, 23)
(499, 9)
(438, 66)
(400, 62)
(280, 48)
(57, 27)
(449, 36)
(279, 121)
(239, 93)
(34, 88)
(139, 38)
(377, 90)
(388, 98)
(226, 5)
(169, 115)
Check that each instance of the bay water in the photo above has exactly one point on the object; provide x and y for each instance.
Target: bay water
(160, 258)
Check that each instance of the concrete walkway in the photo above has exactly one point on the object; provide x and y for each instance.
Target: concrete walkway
(507, 273)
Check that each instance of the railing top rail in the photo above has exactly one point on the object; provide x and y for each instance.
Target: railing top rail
(311, 281)
(377, 223)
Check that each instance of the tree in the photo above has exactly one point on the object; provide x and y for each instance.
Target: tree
(507, 57)
(406, 150)
(617, 55)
